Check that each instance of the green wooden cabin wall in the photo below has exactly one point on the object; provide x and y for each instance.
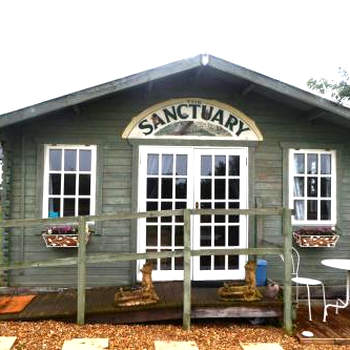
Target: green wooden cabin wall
(102, 121)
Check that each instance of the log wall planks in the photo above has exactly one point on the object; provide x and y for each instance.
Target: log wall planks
(102, 121)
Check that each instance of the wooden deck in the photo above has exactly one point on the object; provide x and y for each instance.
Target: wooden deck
(335, 331)
(100, 308)
(205, 304)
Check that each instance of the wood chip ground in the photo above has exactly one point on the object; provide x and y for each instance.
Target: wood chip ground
(50, 335)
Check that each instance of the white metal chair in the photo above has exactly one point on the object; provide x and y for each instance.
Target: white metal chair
(303, 280)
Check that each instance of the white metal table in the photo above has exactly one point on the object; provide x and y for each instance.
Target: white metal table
(342, 264)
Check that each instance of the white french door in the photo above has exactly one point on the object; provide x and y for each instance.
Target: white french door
(220, 183)
(190, 177)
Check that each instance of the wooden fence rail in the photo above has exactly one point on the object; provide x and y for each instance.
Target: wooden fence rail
(82, 259)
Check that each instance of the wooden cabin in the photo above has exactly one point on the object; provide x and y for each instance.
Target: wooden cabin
(197, 133)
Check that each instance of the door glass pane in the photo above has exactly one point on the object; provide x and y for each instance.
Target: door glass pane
(181, 164)
(151, 236)
(233, 236)
(325, 210)
(312, 186)
(220, 188)
(152, 188)
(181, 188)
(167, 188)
(55, 159)
(54, 208)
(153, 261)
(325, 163)
(206, 188)
(205, 236)
(312, 163)
(167, 164)
(69, 207)
(233, 168)
(180, 205)
(233, 191)
(233, 218)
(179, 263)
(179, 236)
(299, 209)
(206, 165)
(84, 206)
(325, 186)
(152, 164)
(219, 238)
(205, 218)
(84, 185)
(233, 262)
(166, 206)
(220, 165)
(165, 264)
(70, 160)
(205, 262)
(299, 163)
(299, 187)
(219, 218)
(219, 262)
(55, 184)
(312, 210)
(151, 206)
(85, 160)
(165, 236)
(69, 184)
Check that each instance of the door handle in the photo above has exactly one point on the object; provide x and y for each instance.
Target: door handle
(197, 205)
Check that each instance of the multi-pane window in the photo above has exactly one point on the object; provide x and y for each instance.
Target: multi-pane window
(69, 180)
(312, 186)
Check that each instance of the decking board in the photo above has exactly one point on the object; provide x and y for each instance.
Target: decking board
(100, 306)
(335, 331)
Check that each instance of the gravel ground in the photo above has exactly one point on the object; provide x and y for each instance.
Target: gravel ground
(49, 335)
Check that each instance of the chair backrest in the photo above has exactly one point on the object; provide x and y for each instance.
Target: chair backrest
(295, 261)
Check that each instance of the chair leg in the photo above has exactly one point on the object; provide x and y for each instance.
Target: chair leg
(324, 295)
(325, 313)
(297, 293)
(324, 303)
(309, 301)
(336, 308)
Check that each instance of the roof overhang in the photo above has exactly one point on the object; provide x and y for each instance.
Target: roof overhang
(167, 70)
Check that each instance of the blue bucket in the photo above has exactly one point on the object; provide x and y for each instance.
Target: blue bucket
(261, 272)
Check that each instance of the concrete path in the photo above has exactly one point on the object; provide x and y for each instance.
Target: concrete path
(86, 344)
(175, 345)
(6, 343)
(261, 346)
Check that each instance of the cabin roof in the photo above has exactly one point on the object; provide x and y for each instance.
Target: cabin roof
(310, 105)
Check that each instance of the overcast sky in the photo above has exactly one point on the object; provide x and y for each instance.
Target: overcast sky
(51, 48)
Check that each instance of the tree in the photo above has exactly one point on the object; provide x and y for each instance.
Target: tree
(337, 91)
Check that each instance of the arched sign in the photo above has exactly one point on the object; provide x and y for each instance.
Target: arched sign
(192, 118)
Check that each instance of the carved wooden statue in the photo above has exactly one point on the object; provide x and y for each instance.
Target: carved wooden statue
(143, 295)
(247, 292)
(146, 270)
(252, 293)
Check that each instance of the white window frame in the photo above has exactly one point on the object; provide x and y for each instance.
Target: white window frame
(92, 173)
(333, 196)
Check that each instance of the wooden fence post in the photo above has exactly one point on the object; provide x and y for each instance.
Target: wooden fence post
(287, 290)
(186, 320)
(81, 271)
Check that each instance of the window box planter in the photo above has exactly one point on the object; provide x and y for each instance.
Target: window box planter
(316, 237)
(63, 237)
